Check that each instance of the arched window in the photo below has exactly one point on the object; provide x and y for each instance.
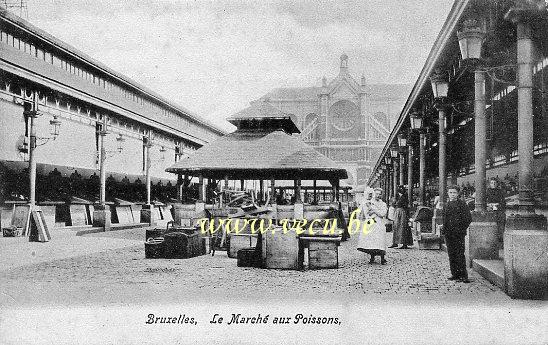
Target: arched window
(310, 127)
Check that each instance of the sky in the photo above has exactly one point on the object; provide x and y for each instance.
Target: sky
(214, 57)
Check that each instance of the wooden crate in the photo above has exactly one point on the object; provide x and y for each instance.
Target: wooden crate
(240, 241)
(281, 250)
(323, 252)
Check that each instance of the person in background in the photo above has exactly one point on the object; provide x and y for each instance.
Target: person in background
(456, 219)
(390, 215)
(374, 241)
(402, 232)
(496, 201)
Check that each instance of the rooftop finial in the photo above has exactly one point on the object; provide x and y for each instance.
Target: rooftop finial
(363, 80)
(344, 62)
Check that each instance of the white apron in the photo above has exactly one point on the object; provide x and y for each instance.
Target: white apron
(375, 239)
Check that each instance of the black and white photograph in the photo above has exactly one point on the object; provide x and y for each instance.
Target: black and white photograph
(273, 172)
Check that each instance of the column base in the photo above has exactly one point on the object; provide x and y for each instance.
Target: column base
(101, 217)
(147, 215)
(483, 240)
(525, 259)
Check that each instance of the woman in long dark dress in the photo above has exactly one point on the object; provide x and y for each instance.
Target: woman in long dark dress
(402, 232)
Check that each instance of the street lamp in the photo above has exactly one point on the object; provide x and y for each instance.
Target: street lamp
(387, 160)
(416, 120)
(31, 113)
(120, 141)
(402, 140)
(394, 151)
(440, 88)
(471, 38)
(440, 85)
(55, 124)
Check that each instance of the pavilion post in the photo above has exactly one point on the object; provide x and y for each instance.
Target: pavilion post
(422, 166)
(242, 186)
(272, 191)
(180, 183)
(337, 192)
(526, 235)
(315, 184)
(261, 190)
(298, 191)
(201, 188)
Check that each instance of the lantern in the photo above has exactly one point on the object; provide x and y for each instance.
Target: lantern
(471, 38)
(55, 124)
(440, 85)
(402, 140)
(394, 151)
(416, 120)
(120, 140)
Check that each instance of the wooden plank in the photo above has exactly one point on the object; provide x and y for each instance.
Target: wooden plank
(38, 230)
(5, 216)
(78, 215)
(166, 212)
(158, 213)
(124, 214)
(48, 212)
(136, 211)
(20, 216)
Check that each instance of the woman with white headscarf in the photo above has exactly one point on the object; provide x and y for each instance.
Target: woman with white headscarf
(373, 242)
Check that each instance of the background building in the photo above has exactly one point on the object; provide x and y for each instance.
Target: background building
(345, 120)
(66, 85)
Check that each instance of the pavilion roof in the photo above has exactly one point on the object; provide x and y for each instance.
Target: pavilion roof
(262, 111)
(259, 154)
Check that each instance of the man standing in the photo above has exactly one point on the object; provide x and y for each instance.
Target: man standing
(456, 219)
(496, 201)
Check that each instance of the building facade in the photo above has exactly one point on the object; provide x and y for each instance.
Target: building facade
(345, 120)
(81, 94)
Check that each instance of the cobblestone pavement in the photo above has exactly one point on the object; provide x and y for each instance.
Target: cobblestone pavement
(120, 272)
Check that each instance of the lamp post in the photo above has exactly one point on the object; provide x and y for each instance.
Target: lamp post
(394, 154)
(389, 177)
(147, 212)
(402, 143)
(101, 214)
(417, 124)
(526, 234)
(440, 87)
(410, 169)
(471, 38)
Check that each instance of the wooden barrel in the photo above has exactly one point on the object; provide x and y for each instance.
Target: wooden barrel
(281, 250)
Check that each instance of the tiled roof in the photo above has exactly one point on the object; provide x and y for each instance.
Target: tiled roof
(259, 154)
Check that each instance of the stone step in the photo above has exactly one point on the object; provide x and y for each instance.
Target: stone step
(492, 270)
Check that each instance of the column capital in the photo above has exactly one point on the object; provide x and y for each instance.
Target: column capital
(526, 11)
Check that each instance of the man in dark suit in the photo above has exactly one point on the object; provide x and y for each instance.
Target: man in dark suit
(456, 219)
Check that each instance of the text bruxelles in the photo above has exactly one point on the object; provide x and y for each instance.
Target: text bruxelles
(300, 226)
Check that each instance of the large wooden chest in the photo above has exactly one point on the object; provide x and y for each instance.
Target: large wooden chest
(281, 250)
